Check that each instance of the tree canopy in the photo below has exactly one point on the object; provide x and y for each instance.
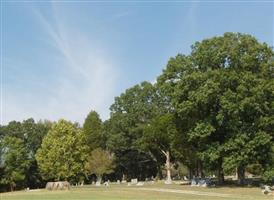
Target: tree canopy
(63, 152)
(93, 130)
(211, 111)
(100, 162)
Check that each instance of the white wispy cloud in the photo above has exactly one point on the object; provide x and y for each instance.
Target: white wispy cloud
(88, 79)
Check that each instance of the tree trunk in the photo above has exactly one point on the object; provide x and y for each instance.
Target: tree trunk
(241, 175)
(12, 185)
(124, 178)
(99, 178)
(236, 174)
(221, 177)
(168, 167)
(199, 169)
(159, 173)
(190, 173)
(196, 169)
(201, 172)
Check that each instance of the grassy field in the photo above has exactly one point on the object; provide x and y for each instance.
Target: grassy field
(147, 192)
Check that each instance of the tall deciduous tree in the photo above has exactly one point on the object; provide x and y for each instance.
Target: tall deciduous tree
(63, 152)
(93, 130)
(129, 114)
(218, 93)
(100, 162)
(31, 133)
(15, 160)
(158, 136)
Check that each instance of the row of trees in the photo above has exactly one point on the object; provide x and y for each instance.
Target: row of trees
(19, 144)
(34, 153)
(211, 111)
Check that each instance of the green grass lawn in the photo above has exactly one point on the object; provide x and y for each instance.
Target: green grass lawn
(147, 192)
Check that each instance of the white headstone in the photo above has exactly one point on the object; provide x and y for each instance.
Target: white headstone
(168, 182)
(134, 181)
(140, 184)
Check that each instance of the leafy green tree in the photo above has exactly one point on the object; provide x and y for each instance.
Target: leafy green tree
(31, 133)
(93, 130)
(221, 100)
(34, 133)
(33, 136)
(129, 114)
(63, 152)
(250, 114)
(13, 129)
(15, 160)
(158, 136)
(100, 162)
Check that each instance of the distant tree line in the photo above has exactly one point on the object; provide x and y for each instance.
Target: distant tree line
(210, 112)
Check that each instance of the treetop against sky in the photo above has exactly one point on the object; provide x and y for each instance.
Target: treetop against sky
(60, 57)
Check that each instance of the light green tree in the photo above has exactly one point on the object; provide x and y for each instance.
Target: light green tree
(100, 162)
(63, 152)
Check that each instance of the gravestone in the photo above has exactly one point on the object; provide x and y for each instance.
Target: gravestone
(49, 185)
(98, 183)
(194, 182)
(267, 189)
(202, 183)
(140, 184)
(168, 182)
(134, 181)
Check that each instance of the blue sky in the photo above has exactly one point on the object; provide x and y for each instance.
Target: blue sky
(63, 59)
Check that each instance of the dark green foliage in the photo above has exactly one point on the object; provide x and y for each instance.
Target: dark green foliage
(268, 175)
(31, 135)
(212, 111)
(135, 164)
(223, 97)
(15, 160)
(130, 113)
(93, 130)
